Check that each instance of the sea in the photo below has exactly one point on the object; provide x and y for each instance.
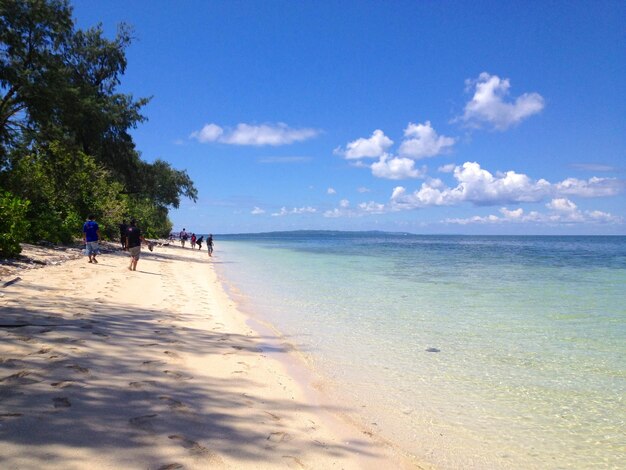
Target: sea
(486, 352)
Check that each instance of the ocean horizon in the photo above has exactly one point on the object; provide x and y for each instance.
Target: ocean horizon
(467, 351)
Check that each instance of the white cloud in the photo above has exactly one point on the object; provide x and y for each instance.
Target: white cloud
(296, 210)
(593, 187)
(257, 135)
(563, 212)
(512, 214)
(257, 211)
(421, 141)
(331, 191)
(373, 147)
(477, 186)
(562, 205)
(396, 168)
(363, 189)
(335, 213)
(372, 207)
(209, 133)
(595, 167)
(344, 203)
(449, 168)
(488, 105)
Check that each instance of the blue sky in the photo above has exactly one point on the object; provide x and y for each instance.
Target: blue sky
(426, 117)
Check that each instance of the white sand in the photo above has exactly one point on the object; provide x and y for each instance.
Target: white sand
(157, 369)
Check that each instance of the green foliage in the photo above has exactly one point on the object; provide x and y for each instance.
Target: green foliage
(152, 219)
(63, 187)
(13, 223)
(65, 144)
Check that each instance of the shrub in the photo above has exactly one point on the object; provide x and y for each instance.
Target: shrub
(13, 223)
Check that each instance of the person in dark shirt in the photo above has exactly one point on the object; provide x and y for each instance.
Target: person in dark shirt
(91, 235)
(133, 243)
(123, 227)
(209, 244)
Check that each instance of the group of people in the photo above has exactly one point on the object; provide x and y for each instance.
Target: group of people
(183, 236)
(130, 237)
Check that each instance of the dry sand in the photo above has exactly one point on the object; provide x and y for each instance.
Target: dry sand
(101, 367)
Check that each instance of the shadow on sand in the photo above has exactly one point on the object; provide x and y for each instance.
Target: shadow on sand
(86, 376)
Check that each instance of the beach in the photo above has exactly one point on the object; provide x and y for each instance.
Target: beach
(102, 367)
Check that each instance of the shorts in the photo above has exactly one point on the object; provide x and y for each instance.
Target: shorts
(91, 248)
(134, 251)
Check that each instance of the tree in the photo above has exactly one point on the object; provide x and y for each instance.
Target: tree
(65, 143)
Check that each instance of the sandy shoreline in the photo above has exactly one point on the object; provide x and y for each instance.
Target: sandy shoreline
(105, 368)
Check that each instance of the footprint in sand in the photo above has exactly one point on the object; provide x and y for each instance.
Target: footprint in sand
(99, 333)
(170, 466)
(23, 377)
(142, 383)
(154, 363)
(171, 354)
(145, 422)
(178, 375)
(174, 405)
(43, 351)
(63, 384)
(294, 460)
(78, 368)
(61, 402)
(272, 415)
(279, 436)
(193, 446)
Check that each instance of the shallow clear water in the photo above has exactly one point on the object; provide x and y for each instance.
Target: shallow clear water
(530, 368)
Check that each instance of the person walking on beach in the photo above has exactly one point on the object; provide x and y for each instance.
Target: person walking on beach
(209, 244)
(183, 237)
(193, 241)
(133, 243)
(123, 227)
(199, 242)
(91, 235)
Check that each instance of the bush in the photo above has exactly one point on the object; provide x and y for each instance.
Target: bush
(13, 224)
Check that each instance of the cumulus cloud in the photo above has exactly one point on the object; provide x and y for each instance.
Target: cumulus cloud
(331, 191)
(562, 211)
(480, 187)
(296, 210)
(421, 141)
(396, 168)
(209, 133)
(477, 186)
(256, 135)
(593, 187)
(562, 205)
(488, 105)
(257, 211)
(372, 207)
(363, 189)
(372, 147)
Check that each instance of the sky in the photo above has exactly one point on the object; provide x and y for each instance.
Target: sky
(482, 117)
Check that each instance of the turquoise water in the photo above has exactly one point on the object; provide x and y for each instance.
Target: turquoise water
(470, 352)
